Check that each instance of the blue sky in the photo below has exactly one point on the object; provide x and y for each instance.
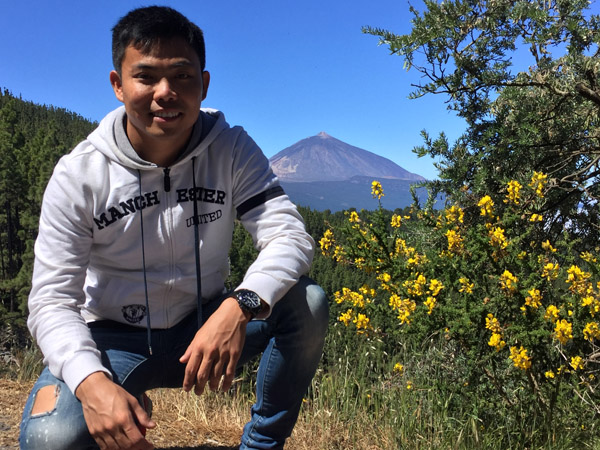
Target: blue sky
(283, 70)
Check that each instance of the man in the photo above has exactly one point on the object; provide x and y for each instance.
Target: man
(128, 287)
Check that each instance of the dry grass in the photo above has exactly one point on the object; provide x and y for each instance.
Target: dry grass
(210, 422)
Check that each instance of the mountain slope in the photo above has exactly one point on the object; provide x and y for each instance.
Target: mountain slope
(325, 158)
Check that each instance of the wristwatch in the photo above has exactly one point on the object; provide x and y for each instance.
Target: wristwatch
(249, 301)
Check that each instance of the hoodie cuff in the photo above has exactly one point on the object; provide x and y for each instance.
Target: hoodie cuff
(79, 367)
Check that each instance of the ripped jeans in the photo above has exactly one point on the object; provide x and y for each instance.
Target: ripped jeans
(290, 340)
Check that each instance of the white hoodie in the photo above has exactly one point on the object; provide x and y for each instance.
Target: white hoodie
(89, 252)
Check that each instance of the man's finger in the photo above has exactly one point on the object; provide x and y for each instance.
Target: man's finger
(141, 416)
(203, 375)
(229, 375)
(217, 374)
(191, 371)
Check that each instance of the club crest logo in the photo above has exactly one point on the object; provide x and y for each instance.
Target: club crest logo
(134, 313)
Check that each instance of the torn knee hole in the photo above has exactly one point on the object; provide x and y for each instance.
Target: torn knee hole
(45, 399)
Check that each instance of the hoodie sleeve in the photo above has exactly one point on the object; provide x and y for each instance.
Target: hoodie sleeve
(277, 228)
(62, 252)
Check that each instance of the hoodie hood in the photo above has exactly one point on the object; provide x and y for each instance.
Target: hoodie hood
(111, 139)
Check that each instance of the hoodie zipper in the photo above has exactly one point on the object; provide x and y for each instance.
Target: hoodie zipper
(167, 179)
(169, 230)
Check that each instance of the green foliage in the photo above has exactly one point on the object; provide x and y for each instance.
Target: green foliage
(542, 114)
(32, 139)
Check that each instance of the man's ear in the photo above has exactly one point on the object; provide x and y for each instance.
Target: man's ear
(205, 83)
(115, 81)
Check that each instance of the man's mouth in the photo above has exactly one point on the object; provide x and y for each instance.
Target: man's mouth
(165, 115)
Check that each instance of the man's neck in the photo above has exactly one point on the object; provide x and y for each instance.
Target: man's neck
(161, 151)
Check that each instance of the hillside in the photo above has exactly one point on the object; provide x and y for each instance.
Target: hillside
(352, 193)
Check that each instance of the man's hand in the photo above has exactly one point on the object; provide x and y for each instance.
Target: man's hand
(216, 348)
(111, 414)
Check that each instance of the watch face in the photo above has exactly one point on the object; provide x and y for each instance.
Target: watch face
(249, 300)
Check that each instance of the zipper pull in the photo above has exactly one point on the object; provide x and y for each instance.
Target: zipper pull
(167, 179)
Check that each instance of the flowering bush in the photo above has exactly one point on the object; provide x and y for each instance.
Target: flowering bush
(483, 277)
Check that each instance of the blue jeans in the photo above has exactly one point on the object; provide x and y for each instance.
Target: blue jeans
(290, 340)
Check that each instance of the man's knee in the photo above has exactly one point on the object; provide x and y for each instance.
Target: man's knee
(318, 303)
(45, 399)
(54, 421)
(314, 305)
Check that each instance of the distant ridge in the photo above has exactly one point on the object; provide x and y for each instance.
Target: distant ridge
(325, 158)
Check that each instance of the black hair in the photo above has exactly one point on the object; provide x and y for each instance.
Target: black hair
(144, 27)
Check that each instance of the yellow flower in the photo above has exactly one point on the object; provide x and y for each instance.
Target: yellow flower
(404, 307)
(496, 341)
(339, 253)
(577, 363)
(550, 271)
(396, 221)
(415, 287)
(354, 217)
(466, 286)
(492, 324)
(563, 331)
(591, 331)
(430, 303)
(409, 385)
(549, 374)
(435, 286)
(592, 303)
(399, 368)
(536, 218)
(401, 248)
(578, 280)
(538, 182)
(385, 277)
(326, 241)
(548, 246)
(455, 241)
(513, 192)
(454, 214)
(534, 299)
(508, 282)
(361, 321)
(520, 358)
(366, 290)
(588, 257)
(395, 301)
(346, 317)
(376, 190)
(487, 206)
(497, 238)
(551, 313)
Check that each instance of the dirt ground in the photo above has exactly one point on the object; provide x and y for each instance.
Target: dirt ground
(172, 432)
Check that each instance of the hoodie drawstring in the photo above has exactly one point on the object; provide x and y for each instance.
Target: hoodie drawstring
(197, 245)
(148, 325)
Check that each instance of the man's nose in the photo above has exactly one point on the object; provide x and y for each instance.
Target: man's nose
(164, 90)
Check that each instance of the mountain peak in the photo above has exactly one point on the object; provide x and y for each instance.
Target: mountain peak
(325, 158)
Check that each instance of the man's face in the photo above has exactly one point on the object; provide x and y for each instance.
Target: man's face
(162, 91)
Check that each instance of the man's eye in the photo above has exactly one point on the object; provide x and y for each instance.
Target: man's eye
(184, 76)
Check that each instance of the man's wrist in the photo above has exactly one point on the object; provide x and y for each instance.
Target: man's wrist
(92, 380)
(249, 302)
